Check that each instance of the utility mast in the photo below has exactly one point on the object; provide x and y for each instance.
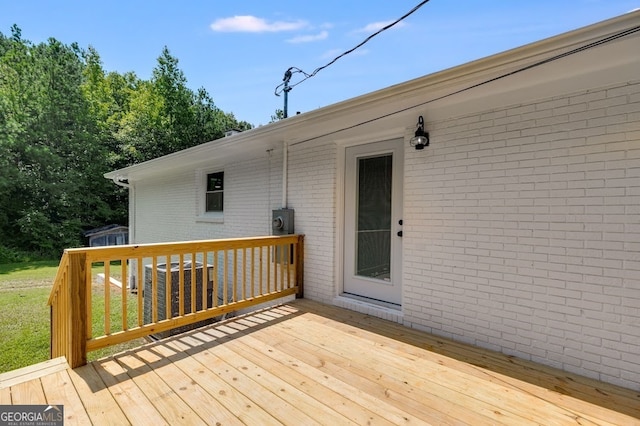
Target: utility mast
(286, 90)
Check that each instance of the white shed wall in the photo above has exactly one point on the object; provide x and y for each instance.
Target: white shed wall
(522, 232)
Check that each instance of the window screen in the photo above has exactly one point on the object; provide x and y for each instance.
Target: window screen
(215, 192)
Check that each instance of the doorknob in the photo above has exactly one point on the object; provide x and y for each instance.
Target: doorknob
(399, 234)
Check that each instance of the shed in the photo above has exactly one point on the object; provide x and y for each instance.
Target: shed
(110, 235)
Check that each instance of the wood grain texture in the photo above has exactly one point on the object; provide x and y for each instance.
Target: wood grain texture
(308, 363)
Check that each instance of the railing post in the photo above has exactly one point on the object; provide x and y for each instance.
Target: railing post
(77, 353)
(300, 267)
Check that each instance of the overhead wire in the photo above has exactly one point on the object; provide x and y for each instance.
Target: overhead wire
(554, 58)
(307, 76)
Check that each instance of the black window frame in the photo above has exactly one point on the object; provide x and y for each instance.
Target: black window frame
(214, 186)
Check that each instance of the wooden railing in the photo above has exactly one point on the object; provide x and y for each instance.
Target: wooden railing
(165, 288)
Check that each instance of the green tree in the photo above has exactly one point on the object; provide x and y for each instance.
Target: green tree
(51, 147)
(279, 115)
(64, 122)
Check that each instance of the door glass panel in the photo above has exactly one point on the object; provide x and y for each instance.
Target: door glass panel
(373, 254)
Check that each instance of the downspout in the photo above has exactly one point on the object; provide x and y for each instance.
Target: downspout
(121, 181)
(285, 172)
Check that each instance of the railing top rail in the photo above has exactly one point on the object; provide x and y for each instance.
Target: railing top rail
(57, 282)
(150, 249)
(246, 279)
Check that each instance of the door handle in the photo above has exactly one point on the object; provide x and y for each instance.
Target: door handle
(399, 234)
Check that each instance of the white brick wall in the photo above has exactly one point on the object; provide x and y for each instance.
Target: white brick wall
(522, 232)
(312, 193)
(521, 227)
(167, 207)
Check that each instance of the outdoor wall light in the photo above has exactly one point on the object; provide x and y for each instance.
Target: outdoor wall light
(421, 138)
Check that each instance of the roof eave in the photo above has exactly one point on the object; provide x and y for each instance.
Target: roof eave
(317, 121)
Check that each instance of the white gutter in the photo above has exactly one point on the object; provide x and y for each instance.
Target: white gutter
(119, 180)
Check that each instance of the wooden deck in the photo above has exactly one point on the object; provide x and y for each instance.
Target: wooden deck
(306, 363)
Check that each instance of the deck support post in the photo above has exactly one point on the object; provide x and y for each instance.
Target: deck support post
(300, 267)
(77, 346)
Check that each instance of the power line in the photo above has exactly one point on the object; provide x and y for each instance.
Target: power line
(554, 58)
(292, 70)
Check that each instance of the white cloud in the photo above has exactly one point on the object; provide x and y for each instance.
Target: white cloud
(375, 26)
(309, 38)
(252, 24)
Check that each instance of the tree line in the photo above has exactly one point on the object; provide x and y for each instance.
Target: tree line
(65, 121)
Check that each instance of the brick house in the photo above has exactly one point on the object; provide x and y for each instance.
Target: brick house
(516, 229)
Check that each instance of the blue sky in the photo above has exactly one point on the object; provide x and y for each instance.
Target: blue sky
(239, 50)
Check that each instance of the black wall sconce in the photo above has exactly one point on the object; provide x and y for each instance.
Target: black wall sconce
(421, 138)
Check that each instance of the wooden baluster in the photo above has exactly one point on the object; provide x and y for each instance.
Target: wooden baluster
(261, 270)
(192, 282)
(214, 263)
(276, 260)
(234, 271)
(269, 248)
(168, 312)
(140, 289)
(89, 294)
(253, 271)
(299, 266)
(107, 297)
(283, 259)
(123, 264)
(181, 285)
(244, 273)
(154, 290)
(225, 278)
(205, 281)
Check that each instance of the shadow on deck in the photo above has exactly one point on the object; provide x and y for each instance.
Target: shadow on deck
(307, 363)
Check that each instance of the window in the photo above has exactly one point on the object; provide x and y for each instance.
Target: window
(215, 192)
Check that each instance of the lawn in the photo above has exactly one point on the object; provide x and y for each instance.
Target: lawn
(24, 314)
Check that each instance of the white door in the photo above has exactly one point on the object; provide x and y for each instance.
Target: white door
(373, 221)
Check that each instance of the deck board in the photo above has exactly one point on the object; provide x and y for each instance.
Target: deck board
(341, 410)
(225, 394)
(163, 397)
(29, 392)
(5, 396)
(586, 396)
(307, 363)
(449, 383)
(392, 388)
(96, 399)
(60, 390)
(130, 398)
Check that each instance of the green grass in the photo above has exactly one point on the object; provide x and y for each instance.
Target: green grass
(24, 327)
(24, 314)
(32, 274)
(97, 314)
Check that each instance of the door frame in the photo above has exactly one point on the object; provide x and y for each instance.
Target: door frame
(339, 258)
